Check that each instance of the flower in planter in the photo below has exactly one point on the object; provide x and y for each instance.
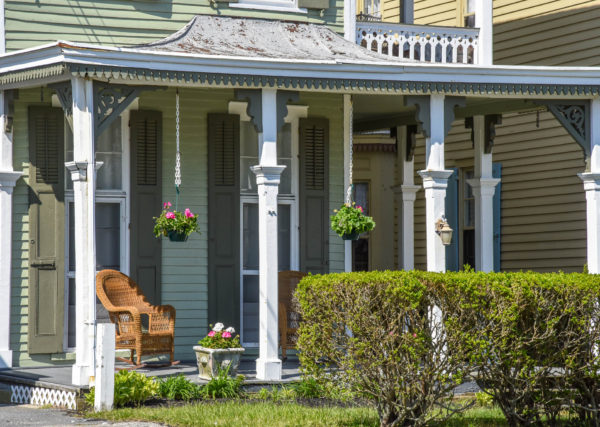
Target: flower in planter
(217, 338)
(350, 220)
(183, 223)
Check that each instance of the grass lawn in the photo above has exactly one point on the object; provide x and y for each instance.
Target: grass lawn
(267, 414)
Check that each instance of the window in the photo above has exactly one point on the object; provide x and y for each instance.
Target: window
(111, 213)
(368, 10)
(288, 236)
(279, 5)
(360, 247)
(466, 13)
(468, 221)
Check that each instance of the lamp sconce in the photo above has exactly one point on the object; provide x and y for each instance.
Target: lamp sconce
(442, 228)
(8, 124)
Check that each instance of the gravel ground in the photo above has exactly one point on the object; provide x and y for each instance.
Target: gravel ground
(27, 415)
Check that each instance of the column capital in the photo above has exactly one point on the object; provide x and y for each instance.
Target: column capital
(591, 181)
(8, 179)
(407, 191)
(435, 178)
(78, 170)
(487, 186)
(268, 175)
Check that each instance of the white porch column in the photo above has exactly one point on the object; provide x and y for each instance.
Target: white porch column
(83, 174)
(435, 182)
(268, 364)
(8, 179)
(591, 185)
(484, 14)
(406, 194)
(484, 187)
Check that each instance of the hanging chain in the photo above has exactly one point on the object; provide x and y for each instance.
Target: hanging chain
(351, 154)
(178, 154)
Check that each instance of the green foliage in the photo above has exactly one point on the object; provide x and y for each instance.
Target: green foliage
(130, 387)
(90, 397)
(527, 338)
(308, 388)
(484, 400)
(377, 334)
(223, 386)
(179, 388)
(219, 338)
(350, 219)
(171, 220)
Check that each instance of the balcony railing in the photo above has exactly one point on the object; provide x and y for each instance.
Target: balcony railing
(423, 43)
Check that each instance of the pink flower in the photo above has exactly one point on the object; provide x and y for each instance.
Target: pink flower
(414, 335)
(226, 334)
(359, 208)
(188, 213)
(211, 334)
(170, 215)
(167, 205)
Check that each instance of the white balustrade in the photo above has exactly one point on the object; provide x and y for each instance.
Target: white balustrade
(423, 43)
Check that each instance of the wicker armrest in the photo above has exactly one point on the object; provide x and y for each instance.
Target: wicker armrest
(162, 318)
(128, 320)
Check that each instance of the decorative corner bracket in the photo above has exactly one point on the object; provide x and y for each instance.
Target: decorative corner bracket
(283, 98)
(9, 108)
(254, 99)
(575, 118)
(411, 142)
(490, 122)
(64, 92)
(423, 112)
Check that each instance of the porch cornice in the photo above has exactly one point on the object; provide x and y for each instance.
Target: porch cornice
(122, 65)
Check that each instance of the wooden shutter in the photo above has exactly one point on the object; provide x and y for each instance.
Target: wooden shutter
(497, 173)
(224, 219)
(146, 201)
(314, 195)
(46, 230)
(452, 194)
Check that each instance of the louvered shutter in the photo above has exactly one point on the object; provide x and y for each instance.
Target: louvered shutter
(224, 219)
(46, 230)
(314, 195)
(146, 201)
(452, 194)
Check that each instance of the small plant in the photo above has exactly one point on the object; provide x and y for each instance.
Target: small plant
(219, 338)
(130, 387)
(172, 221)
(349, 221)
(308, 388)
(223, 386)
(178, 388)
(484, 400)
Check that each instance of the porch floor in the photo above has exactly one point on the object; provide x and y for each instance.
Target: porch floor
(60, 376)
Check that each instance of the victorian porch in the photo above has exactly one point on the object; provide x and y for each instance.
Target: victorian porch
(266, 147)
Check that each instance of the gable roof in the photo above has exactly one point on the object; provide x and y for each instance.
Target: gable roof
(263, 38)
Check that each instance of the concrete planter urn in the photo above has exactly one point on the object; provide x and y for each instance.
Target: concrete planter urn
(211, 359)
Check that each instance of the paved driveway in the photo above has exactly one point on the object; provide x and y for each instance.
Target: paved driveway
(27, 415)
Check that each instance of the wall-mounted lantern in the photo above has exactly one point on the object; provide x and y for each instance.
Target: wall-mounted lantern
(442, 228)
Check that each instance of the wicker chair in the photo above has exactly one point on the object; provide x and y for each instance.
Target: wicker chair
(125, 303)
(289, 317)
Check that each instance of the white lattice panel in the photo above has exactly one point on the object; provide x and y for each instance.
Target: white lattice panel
(40, 396)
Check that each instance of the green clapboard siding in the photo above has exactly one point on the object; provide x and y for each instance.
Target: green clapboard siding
(184, 273)
(127, 22)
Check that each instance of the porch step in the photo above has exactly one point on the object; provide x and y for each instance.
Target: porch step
(19, 390)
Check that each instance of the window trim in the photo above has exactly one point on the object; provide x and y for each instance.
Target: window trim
(275, 5)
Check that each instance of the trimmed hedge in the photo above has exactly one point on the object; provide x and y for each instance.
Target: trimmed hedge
(405, 339)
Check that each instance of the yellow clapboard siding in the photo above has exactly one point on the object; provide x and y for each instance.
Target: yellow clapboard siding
(435, 12)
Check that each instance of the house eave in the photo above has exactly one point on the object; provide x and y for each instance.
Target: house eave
(143, 67)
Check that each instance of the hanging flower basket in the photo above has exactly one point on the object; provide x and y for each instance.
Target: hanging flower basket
(351, 236)
(349, 221)
(175, 236)
(177, 226)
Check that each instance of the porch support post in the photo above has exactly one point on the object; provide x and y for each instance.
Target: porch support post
(435, 182)
(83, 174)
(484, 14)
(591, 185)
(8, 179)
(268, 364)
(348, 135)
(406, 194)
(484, 187)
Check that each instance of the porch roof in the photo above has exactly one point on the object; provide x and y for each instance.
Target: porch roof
(283, 55)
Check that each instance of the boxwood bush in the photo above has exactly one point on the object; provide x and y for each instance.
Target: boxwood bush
(406, 339)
